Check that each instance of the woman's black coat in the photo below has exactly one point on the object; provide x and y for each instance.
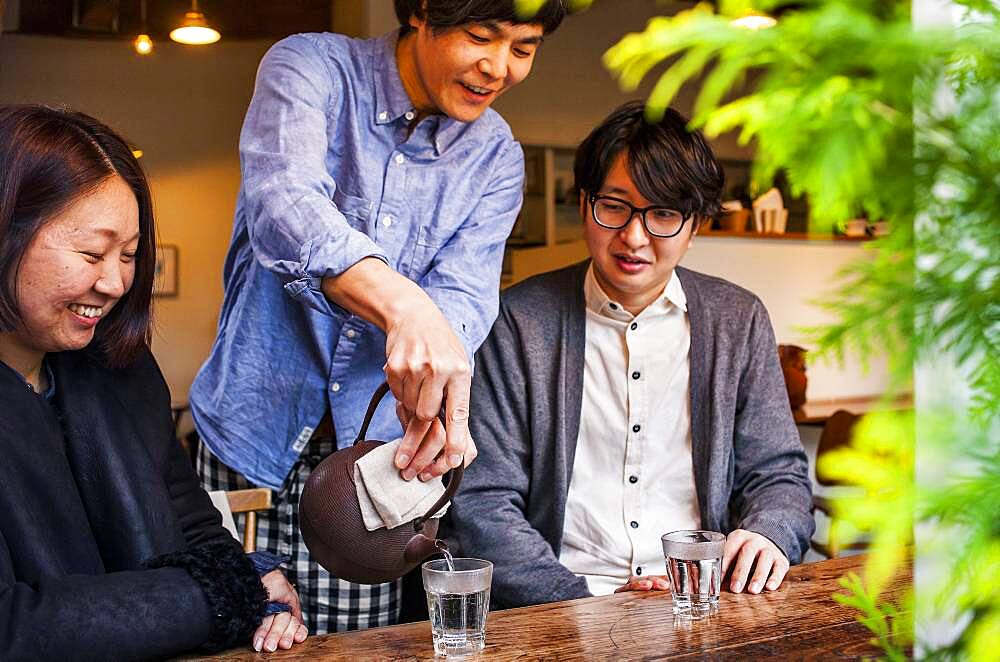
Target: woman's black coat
(84, 502)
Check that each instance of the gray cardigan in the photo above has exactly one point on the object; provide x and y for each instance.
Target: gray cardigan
(749, 466)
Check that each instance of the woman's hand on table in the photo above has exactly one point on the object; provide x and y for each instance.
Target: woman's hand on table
(746, 550)
(651, 583)
(284, 629)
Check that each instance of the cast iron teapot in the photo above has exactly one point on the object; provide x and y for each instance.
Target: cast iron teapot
(333, 528)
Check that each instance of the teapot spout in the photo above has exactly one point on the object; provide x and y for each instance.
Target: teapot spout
(420, 547)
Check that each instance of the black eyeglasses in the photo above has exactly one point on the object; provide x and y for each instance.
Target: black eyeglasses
(614, 214)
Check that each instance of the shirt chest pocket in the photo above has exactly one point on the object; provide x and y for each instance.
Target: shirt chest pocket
(355, 209)
(426, 246)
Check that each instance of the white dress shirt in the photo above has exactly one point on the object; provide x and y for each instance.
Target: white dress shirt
(633, 477)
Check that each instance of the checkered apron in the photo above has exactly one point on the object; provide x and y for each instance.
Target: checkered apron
(328, 604)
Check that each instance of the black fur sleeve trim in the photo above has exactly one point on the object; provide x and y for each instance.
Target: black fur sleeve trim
(231, 585)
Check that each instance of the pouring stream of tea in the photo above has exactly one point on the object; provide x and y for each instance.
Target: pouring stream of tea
(448, 558)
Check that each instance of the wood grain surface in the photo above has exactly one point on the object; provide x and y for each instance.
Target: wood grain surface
(798, 621)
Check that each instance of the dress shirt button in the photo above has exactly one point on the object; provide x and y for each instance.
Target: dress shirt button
(635, 375)
(335, 387)
(636, 427)
(638, 570)
(383, 116)
(400, 159)
(409, 115)
(634, 524)
(613, 306)
(351, 333)
(387, 221)
(633, 479)
(634, 326)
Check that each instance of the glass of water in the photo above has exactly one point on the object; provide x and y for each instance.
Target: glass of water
(458, 599)
(694, 565)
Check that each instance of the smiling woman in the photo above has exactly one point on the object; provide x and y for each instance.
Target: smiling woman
(108, 546)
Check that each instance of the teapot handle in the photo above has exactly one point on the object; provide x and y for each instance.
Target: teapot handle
(454, 475)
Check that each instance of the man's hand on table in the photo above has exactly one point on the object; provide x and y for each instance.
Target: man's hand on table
(651, 583)
(743, 550)
(284, 629)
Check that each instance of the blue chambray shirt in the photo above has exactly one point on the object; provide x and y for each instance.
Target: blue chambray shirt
(331, 177)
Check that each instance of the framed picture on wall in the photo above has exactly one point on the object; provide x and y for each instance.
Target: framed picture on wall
(165, 277)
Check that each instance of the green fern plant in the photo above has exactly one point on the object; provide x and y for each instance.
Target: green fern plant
(866, 113)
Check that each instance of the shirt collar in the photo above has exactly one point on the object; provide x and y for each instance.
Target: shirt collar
(392, 102)
(599, 302)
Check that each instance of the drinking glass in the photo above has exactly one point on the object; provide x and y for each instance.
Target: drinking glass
(694, 565)
(458, 600)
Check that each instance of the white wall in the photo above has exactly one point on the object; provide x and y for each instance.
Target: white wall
(789, 276)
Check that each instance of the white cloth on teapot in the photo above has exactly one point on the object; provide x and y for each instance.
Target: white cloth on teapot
(386, 499)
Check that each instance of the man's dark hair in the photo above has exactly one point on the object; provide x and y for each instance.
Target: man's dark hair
(669, 164)
(49, 158)
(444, 14)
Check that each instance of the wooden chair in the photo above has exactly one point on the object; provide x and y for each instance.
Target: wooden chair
(836, 434)
(248, 502)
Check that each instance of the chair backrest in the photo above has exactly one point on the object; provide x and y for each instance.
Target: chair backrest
(249, 501)
(836, 434)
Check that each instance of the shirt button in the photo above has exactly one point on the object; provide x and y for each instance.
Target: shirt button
(409, 115)
(638, 570)
(400, 159)
(351, 333)
(613, 306)
(634, 326)
(383, 116)
(633, 479)
(635, 375)
(636, 427)
(335, 387)
(634, 524)
(387, 221)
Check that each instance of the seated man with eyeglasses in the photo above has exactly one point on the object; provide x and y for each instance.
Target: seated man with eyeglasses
(626, 397)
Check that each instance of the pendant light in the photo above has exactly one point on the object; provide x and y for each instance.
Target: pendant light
(143, 43)
(194, 29)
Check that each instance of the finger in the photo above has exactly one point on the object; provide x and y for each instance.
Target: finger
(403, 414)
(431, 396)
(288, 636)
(457, 417)
(414, 434)
(765, 561)
(278, 626)
(295, 604)
(734, 541)
(471, 452)
(394, 378)
(429, 449)
(412, 385)
(743, 564)
(778, 573)
(261, 632)
(301, 633)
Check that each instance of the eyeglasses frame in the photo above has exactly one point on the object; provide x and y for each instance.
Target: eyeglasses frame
(593, 197)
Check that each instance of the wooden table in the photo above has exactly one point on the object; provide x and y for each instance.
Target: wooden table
(800, 620)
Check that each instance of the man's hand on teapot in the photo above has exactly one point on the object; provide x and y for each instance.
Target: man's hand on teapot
(428, 460)
(426, 367)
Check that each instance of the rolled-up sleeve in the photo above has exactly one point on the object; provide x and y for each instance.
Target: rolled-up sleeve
(464, 278)
(295, 228)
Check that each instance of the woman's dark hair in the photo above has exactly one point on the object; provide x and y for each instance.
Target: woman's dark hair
(49, 157)
(444, 14)
(669, 164)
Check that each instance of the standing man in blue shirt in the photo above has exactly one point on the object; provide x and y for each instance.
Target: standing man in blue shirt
(378, 190)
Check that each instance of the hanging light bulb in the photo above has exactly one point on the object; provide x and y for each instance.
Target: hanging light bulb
(753, 20)
(143, 44)
(194, 29)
